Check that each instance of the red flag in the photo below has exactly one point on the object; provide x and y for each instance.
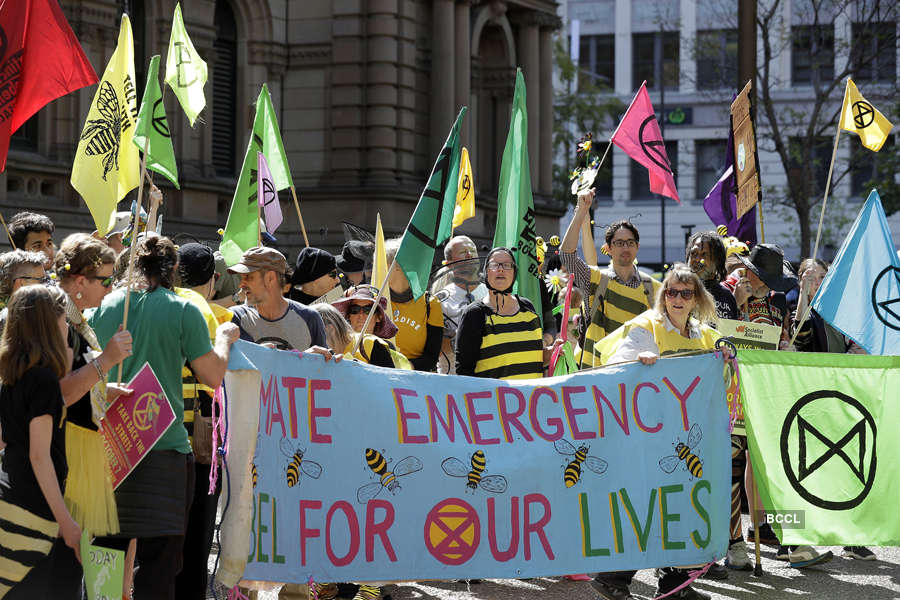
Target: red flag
(639, 136)
(40, 60)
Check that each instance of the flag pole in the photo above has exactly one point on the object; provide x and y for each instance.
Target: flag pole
(258, 214)
(299, 216)
(815, 253)
(134, 238)
(387, 277)
(762, 226)
(8, 234)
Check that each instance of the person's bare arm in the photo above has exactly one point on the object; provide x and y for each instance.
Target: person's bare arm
(570, 239)
(156, 199)
(587, 243)
(79, 382)
(40, 432)
(210, 368)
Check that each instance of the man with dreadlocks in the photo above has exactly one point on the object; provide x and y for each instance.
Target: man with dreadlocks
(705, 253)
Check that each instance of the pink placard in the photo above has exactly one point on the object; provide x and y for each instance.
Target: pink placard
(133, 424)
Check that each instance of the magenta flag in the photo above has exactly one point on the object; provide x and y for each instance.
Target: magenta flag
(639, 136)
(267, 195)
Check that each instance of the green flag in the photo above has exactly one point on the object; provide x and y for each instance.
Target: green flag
(432, 222)
(815, 424)
(151, 132)
(243, 219)
(185, 70)
(515, 204)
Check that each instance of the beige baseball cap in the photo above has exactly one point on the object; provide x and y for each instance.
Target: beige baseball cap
(260, 258)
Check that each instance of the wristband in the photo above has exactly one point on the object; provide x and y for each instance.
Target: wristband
(96, 363)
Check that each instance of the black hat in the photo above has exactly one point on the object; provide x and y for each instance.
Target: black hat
(312, 263)
(767, 262)
(353, 256)
(196, 264)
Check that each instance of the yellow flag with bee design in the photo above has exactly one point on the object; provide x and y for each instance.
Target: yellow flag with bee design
(106, 165)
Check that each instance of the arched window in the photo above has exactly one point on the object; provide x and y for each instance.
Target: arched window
(224, 88)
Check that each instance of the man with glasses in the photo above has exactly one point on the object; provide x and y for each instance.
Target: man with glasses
(269, 317)
(19, 268)
(465, 287)
(612, 295)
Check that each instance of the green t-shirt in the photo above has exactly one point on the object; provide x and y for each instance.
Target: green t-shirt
(166, 330)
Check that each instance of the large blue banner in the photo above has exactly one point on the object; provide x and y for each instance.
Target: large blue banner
(362, 473)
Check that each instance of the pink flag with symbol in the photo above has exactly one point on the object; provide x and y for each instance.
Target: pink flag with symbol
(267, 195)
(639, 136)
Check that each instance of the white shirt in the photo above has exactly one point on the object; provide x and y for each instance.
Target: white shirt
(641, 340)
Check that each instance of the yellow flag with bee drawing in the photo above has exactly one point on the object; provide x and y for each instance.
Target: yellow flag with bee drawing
(106, 165)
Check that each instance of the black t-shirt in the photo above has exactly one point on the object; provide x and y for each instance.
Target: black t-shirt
(36, 394)
(80, 412)
(726, 305)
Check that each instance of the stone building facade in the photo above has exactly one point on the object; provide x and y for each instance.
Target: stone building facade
(365, 92)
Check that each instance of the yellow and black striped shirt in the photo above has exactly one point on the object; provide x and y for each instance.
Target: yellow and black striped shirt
(500, 347)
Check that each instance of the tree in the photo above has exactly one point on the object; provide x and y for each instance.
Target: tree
(802, 135)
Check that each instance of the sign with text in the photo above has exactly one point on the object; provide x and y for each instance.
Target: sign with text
(362, 473)
(750, 335)
(104, 570)
(133, 424)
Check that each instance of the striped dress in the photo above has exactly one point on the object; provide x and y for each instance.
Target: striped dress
(500, 347)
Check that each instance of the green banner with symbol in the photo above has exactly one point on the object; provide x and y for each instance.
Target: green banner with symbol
(821, 431)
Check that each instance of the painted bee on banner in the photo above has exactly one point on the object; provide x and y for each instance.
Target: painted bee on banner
(103, 134)
(579, 456)
(378, 464)
(454, 467)
(254, 474)
(683, 452)
(298, 464)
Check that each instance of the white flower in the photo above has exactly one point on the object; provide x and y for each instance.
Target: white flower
(555, 280)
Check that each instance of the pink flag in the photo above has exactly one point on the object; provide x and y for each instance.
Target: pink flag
(639, 136)
(267, 195)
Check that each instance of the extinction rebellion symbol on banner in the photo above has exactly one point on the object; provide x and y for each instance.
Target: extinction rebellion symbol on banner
(828, 443)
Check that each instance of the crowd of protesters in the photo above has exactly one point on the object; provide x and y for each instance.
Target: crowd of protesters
(63, 345)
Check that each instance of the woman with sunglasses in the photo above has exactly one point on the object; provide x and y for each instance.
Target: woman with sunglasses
(500, 336)
(676, 323)
(376, 347)
(84, 268)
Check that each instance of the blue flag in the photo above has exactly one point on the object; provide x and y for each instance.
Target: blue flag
(860, 296)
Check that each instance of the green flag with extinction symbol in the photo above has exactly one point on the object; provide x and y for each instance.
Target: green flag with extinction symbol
(151, 132)
(241, 230)
(515, 202)
(186, 72)
(821, 431)
(432, 221)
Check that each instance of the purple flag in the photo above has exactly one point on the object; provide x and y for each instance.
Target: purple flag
(267, 195)
(721, 202)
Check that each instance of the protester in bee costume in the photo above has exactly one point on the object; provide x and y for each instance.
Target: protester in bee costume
(500, 336)
(677, 323)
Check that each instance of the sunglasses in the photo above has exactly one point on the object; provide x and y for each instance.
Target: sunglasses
(357, 309)
(104, 281)
(673, 293)
(43, 279)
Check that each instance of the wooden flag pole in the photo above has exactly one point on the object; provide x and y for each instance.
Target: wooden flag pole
(387, 277)
(762, 227)
(299, 216)
(136, 219)
(8, 234)
(815, 253)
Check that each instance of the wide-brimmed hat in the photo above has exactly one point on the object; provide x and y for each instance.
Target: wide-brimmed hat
(767, 262)
(367, 293)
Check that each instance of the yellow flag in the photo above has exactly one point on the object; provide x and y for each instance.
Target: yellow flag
(863, 119)
(380, 266)
(106, 165)
(465, 191)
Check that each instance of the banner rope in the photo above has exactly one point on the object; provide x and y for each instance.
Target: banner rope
(234, 593)
(692, 577)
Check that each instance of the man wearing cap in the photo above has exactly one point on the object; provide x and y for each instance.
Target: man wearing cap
(315, 275)
(197, 274)
(355, 262)
(269, 317)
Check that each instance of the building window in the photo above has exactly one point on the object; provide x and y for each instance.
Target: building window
(655, 56)
(819, 157)
(717, 54)
(224, 96)
(26, 137)
(865, 166)
(710, 164)
(640, 180)
(812, 54)
(597, 61)
(874, 51)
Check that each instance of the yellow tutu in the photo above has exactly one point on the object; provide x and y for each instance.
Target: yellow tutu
(89, 492)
